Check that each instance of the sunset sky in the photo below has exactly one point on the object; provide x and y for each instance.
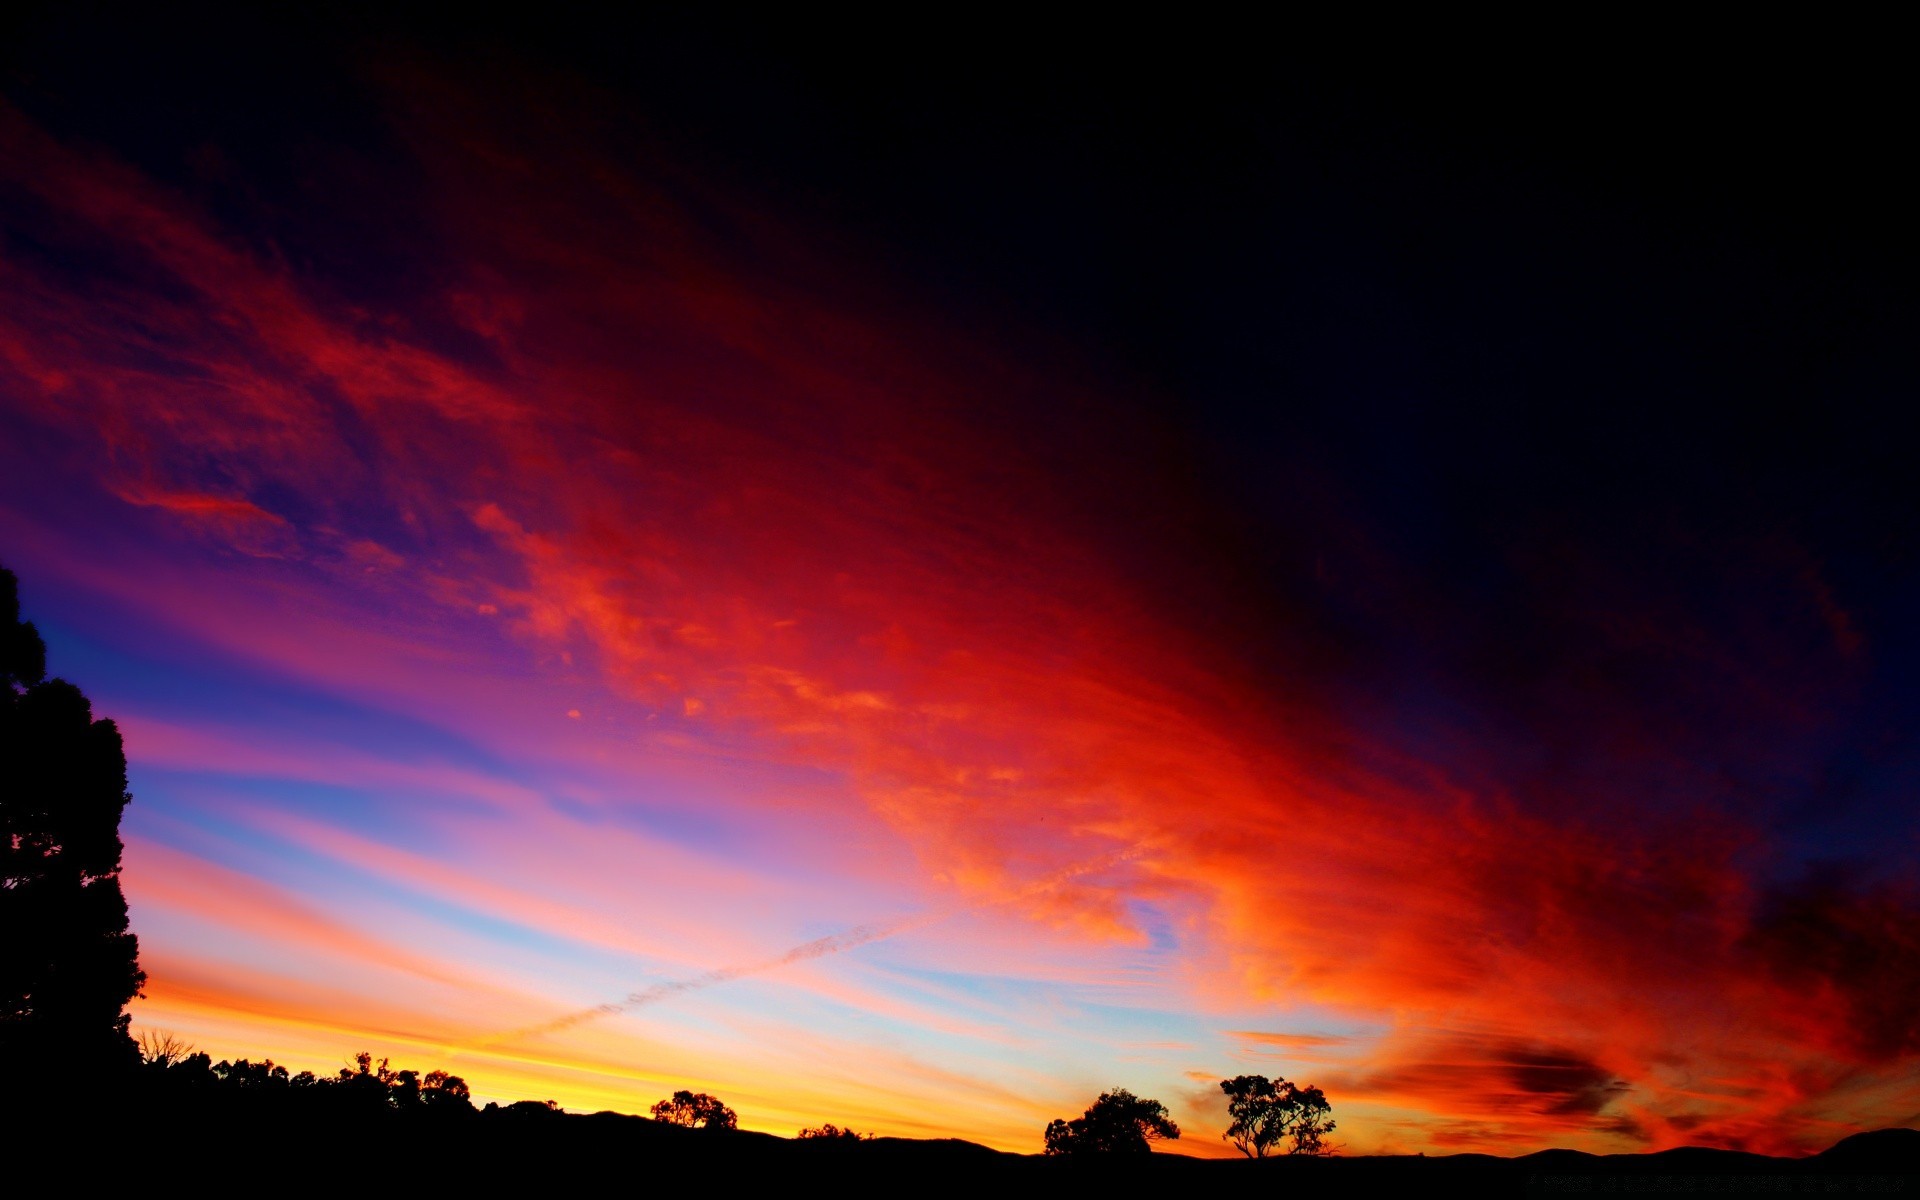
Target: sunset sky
(1011, 567)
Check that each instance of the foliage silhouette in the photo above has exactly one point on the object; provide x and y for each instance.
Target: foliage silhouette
(267, 1117)
(172, 1070)
(695, 1110)
(441, 1092)
(830, 1132)
(1119, 1122)
(378, 1085)
(1267, 1113)
(1314, 1123)
(68, 964)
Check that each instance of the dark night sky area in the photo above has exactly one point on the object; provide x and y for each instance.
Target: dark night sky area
(1546, 380)
(1534, 331)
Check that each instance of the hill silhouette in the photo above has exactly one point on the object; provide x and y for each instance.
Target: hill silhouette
(1873, 1151)
(259, 1132)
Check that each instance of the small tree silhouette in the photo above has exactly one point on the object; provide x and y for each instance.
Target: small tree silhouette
(249, 1075)
(160, 1050)
(1267, 1113)
(365, 1083)
(830, 1132)
(1119, 1122)
(441, 1092)
(374, 1084)
(695, 1110)
(68, 965)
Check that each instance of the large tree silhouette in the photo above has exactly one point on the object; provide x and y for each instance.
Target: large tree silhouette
(1266, 1113)
(1119, 1122)
(68, 965)
(696, 1110)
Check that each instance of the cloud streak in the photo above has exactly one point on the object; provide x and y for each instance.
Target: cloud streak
(820, 947)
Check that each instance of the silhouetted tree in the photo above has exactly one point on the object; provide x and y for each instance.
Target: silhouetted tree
(160, 1050)
(1119, 1122)
(830, 1132)
(1313, 1124)
(695, 1110)
(251, 1075)
(441, 1092)
(68, 965)
(374, 1084)
(1267, 1113)
(195, 1070)
(404, 1092)
(366, 1083)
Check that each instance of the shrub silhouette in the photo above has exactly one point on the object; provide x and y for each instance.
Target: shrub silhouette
(68, 964)
(1267, 1113)
(1119, 1122)
(830, 1132)
(695, 1110)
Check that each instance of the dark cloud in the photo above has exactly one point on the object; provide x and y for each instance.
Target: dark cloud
(1493, 1075)
(1575, 1085)
(1853, 942)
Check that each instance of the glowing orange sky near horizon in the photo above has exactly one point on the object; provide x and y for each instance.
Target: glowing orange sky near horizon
(684, 525)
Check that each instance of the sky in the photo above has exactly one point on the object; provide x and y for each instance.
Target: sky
(909, 589)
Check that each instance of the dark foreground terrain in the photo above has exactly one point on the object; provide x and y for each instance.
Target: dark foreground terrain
(244, 1145)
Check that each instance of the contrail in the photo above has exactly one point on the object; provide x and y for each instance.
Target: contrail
(834, 943)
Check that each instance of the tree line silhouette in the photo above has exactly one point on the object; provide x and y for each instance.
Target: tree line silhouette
(1266, 1113)
(171, 1068)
